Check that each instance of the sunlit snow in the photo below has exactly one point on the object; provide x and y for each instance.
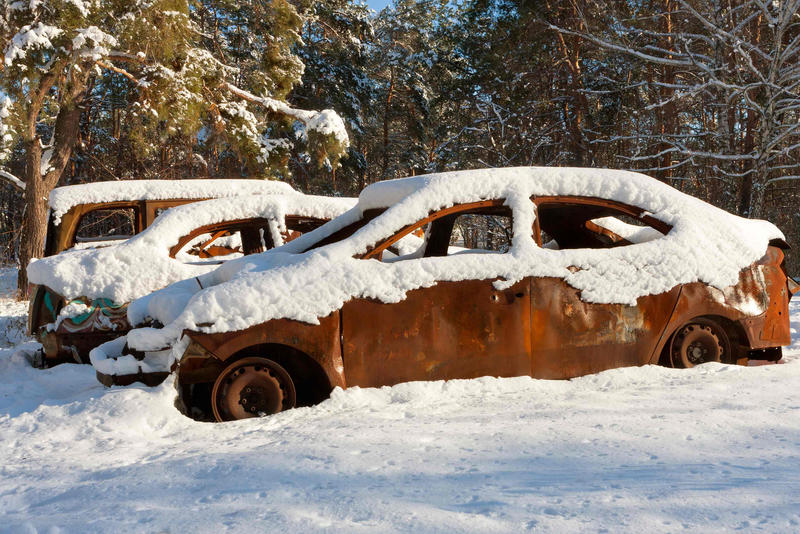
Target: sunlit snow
(710, 449)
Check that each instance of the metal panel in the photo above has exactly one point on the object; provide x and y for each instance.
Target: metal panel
(450, 330)
(573, 338)
(320, 342)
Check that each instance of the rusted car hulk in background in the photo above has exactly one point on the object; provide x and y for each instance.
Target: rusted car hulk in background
(139, 201)
(465, 329)
(75, 223)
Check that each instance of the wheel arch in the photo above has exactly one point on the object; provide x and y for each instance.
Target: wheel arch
(295, 346)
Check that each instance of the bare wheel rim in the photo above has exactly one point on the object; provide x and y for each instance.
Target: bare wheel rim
(252, 387)
(698, 342)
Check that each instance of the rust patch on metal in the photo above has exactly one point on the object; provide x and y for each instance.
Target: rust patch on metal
(450, 330)
(573, 338)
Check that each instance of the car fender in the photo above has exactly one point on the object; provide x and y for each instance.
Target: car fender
(321, 342)
(760, 289)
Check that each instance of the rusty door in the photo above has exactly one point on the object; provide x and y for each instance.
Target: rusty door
(573, 338)
(451, 330)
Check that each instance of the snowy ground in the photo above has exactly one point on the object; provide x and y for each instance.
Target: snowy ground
(713, 449)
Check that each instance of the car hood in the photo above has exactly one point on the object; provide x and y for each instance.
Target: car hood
(120, 273)
(165, 304)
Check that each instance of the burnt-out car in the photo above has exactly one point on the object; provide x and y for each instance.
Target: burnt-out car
(552, 273)
(102, 213)
(81, 296)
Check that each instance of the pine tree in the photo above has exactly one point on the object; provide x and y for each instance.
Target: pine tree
(57, 52)
(412, 64)
(336, 41)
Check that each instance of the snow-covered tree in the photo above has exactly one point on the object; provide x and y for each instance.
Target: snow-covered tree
(56, 51)
(335, 48)
(412, 65)
(723, 91)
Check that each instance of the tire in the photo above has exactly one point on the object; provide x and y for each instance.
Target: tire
(700, 341)
(252, 387)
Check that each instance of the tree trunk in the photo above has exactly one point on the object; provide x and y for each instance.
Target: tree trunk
(34, 222)
(38, 186)
(746, 189)
(386, 110)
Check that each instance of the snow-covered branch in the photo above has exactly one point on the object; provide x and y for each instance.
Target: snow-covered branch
(13, 180)
(326, 122)
(118, 70)
(620, 48)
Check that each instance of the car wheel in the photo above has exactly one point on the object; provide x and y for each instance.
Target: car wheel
(252, 387)
(699, 341)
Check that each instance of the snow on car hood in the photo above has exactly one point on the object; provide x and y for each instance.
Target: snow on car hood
(705, 244)
(142, 264)
(62, 199)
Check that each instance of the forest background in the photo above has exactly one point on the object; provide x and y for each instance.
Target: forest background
(701, 94)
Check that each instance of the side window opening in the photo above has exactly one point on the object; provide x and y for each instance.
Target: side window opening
(218, 243)
(215, 246)
(347, 231)
(111, 224)
(481, 227)
(481, 232)
(409, 247)
(297, 226)
(570, 225)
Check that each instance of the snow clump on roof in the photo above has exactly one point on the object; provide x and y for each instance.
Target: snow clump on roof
(62, 199)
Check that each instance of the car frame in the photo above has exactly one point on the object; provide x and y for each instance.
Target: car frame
(71, 204)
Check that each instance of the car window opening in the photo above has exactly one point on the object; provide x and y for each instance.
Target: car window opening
(571, 225)
(348, 230)
(481, 231)
(116, 223)
(297, 226)
(483, 227)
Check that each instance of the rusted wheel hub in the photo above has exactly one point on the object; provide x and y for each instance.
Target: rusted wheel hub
(252, 387)
(700, 341)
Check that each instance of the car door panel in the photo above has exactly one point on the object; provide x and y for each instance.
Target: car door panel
(574, 338)
(462, 329)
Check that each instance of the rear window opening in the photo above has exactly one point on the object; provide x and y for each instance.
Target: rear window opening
(565, 224)
(106, 224)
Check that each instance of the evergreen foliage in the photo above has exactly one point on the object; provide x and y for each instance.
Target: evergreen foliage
(701, 94)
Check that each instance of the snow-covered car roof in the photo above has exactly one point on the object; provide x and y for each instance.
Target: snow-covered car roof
(62, 199)
(705, 244)
(142, 264)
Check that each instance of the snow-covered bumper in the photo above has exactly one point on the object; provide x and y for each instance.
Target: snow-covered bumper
(118, 365)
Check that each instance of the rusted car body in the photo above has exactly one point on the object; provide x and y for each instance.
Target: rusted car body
(133, 209)
(45, 304)
(70, 339)
(540, 326)
(140, 201)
